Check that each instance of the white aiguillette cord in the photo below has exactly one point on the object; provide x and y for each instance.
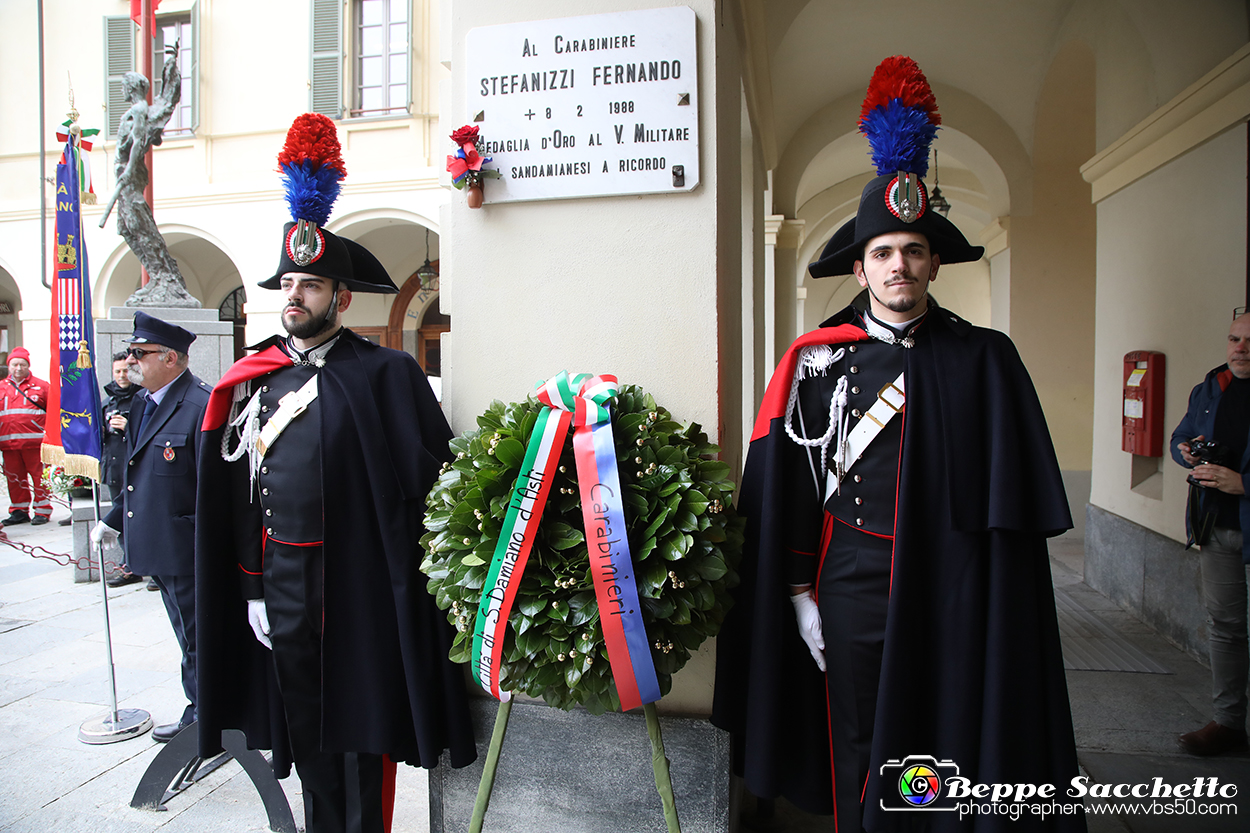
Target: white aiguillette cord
(890, 401)
(817, 359)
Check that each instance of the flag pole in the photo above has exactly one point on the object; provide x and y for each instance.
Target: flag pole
(117, 724)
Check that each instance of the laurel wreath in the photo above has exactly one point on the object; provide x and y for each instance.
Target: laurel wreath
(684, 535)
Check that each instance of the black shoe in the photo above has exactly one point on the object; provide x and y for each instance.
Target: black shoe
(39, 520)
(17, 516)
(168, 731)
(65, 522)
(122, 579)
(152, 585)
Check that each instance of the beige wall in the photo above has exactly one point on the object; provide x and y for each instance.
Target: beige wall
(1171, 267)
(644, 287)
(1052, 259)
(218, 198)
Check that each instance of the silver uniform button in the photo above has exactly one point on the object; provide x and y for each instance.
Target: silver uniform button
(268, 511)
(132, 462)
(130, 514)
(853, 348)
(167, 443)
(855, 389)
(855, 413)
(264, 469)
(265, 389)
(858, 479)
(269, 531)
(859, 501)
(130, 488)
(264, 409)
(854, 369)
(859, 521)
(264, 491)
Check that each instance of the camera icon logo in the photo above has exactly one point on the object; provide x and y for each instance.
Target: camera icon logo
(919, 779)
(919, 785)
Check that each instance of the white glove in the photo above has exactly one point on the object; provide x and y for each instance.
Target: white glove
(258, 618)
(808, 616)
(103, 535)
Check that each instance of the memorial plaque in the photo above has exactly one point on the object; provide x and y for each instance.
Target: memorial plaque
(588, 106)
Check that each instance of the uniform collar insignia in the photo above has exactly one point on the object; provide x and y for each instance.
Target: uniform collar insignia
(316, 357)
(890, 334)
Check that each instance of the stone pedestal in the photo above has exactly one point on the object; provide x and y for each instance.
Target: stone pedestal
(211, 353)
(576, 771)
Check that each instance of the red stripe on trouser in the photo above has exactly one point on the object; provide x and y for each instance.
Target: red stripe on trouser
(388, 792)
(19, 464)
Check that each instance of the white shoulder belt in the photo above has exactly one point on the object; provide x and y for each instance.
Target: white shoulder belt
(289, 407)
(890, 401)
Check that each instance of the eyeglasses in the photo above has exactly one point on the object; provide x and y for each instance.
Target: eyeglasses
(137, 354)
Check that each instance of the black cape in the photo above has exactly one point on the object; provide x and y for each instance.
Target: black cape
(388, 684)
(972, 669)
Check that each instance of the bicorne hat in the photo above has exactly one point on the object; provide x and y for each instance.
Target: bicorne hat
(312, 166)
(900, 119)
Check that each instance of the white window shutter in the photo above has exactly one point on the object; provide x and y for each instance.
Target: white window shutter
(327, 58)
(119, 59)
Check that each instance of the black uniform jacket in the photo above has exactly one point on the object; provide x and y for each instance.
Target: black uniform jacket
(155, 511)
(388, 686)
(113, 461)
(972, 669)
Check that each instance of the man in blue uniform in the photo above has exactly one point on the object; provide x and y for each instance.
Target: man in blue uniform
(1212, 440)
(155, 509)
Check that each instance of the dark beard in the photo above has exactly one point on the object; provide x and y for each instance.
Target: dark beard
(312, 326)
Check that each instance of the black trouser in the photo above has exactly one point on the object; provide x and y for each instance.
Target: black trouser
(342, 791)
(854, 591)
(178, 594)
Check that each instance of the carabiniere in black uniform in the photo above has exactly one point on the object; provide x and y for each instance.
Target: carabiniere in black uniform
(289, 484)
(850, 562)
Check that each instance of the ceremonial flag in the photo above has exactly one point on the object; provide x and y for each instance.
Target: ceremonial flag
(72, 432)
(136, 12)
(85, 186)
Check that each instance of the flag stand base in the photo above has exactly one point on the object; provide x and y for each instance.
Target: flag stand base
(130, 723)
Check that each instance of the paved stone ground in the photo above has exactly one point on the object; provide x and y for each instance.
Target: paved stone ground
(53, 676)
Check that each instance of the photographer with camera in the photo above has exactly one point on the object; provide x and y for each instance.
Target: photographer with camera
(116, 410)
(1212, 440)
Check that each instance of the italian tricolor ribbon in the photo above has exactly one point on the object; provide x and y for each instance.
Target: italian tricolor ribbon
(582, 403)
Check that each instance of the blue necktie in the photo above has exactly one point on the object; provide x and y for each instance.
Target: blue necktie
(148, 408)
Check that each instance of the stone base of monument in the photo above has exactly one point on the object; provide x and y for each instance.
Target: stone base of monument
(211, 354)
(590, 773)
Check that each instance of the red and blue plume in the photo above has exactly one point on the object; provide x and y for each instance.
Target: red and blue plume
(899, 117)
(312, 167)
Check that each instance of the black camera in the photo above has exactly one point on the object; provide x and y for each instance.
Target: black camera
(1212, 452)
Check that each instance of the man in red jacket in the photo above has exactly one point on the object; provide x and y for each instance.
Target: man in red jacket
(23, 406)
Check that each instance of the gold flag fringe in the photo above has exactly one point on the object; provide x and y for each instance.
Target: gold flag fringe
(78, 465)
(88, 198)
(84, 355)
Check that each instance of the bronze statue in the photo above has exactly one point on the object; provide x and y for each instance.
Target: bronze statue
(140, 130)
